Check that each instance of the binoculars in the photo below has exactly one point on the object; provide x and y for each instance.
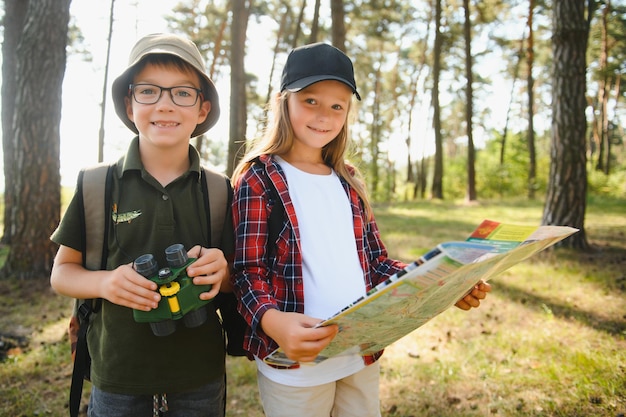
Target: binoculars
(180, 297)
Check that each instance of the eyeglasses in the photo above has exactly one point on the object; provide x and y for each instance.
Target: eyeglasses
(150, 94)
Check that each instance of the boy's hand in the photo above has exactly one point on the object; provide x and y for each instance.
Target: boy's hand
(126, 287)
(297, 335)
(472, 299)
(211, 268)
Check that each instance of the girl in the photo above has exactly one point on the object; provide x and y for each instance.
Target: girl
(328, 252)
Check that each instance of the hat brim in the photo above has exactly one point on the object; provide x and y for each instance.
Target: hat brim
(300, 84)
(119, 91)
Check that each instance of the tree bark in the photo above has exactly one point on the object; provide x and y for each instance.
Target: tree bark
(604, 154)
(315, 24)
(41, 60)
(297, 30)
(469, 108)
(567, 187)
(338, 29)
(530, 84)
(279, 38)
(238, 113)
(437, 185)
(14, 15)
(375, 132)
(105, 86)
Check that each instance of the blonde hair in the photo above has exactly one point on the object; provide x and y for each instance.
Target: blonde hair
(278, 139)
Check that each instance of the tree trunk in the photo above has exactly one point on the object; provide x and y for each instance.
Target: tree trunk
(315, 24)
(374, 145)
(338, 30)
(530, 84)
(567, 187)
(410, 175)
(421, 168)
(14, 15)
(41, 59)
(601, 119)
(611, 129)
(469, 109)
(297, 30)
(105, 86)
(505, 131)
(437, 185)
(238, 113)
(261, 125)
(604, 88)
(217, 50)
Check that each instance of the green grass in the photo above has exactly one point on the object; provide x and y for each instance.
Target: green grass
(549, 341)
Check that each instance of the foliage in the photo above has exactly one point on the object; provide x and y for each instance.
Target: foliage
(511, 178)
(613, 185)
(76, 42)
(496, 180)
(391, 44)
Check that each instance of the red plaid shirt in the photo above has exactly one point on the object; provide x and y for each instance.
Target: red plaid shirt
(262, 282)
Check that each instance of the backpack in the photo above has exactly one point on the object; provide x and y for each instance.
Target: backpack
(93, 191)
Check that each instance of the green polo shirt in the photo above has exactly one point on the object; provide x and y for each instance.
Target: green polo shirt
(147, 218)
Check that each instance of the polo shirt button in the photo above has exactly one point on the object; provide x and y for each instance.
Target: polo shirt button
(165, 197)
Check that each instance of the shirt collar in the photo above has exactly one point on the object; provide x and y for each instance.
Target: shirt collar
(132, 160)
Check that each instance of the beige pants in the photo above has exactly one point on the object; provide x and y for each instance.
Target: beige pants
(354, 396)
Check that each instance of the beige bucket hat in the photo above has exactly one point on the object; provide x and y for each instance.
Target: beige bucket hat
(162, 43)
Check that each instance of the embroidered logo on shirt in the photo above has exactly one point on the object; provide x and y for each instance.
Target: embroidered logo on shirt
(124, 217)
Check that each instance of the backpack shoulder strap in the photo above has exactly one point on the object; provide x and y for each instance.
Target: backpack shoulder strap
(276, 218)
(277, 214)
(218, 194)
(94, 191)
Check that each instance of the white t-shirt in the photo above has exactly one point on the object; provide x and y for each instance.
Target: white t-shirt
(332, 273)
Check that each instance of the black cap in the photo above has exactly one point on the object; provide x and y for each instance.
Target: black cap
(309, 64)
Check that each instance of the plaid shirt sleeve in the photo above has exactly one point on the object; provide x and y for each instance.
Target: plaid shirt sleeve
(251, 229)
(260, 283)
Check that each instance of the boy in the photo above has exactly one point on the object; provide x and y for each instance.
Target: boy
(166, 98)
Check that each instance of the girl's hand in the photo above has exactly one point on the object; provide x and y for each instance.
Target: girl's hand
(472, 299)
(297, 335)
(210, 268)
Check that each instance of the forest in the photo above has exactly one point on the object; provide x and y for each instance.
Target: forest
(433, 72)
(503, 109)
(432, 123)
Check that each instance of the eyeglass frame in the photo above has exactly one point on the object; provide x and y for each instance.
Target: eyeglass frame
(131, 92)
